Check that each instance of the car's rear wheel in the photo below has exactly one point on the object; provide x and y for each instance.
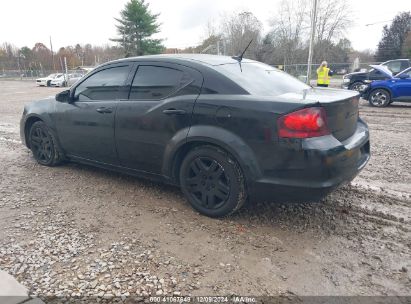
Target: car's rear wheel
(212, 181)
(356, 86)
(379, 98)
(44, 145)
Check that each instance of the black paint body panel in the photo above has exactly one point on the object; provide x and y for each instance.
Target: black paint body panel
(138, 138)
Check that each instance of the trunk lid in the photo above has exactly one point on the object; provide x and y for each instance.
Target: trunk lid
(341, 107)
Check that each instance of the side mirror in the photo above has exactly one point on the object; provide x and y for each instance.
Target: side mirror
(404, 76)
(63, 96)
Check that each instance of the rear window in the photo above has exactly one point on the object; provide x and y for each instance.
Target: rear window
(261, 79)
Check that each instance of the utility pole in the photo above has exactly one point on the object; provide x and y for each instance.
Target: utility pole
(310, 51)
(52, 55)
(66, 77)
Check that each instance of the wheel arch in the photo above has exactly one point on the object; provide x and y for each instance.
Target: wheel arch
(27, 126)
(31, 119)
(380, 88)
(214, 136)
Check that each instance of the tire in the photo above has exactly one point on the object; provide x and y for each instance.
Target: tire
(212, 181)
(44, 146)
(356, 86)
(379, 98)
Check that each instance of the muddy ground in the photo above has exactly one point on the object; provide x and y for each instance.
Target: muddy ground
(77, 230)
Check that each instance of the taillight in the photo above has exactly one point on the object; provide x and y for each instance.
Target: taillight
(308, 122)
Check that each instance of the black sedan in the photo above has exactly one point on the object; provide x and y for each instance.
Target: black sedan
(224, 129)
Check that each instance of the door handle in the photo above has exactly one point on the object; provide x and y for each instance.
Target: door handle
(174, 112)
(103, 110)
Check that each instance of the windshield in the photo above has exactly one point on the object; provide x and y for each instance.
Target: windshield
(405, 72)
(261, 79)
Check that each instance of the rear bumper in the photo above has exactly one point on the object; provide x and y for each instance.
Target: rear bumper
(325, 163)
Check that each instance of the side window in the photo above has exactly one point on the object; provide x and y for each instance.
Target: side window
(375, 73)
(155, 82)
(408, 73)
(103, 85)
(394, 66)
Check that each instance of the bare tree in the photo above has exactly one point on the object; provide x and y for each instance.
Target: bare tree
(288, 29)
(238, 30)
(333, 18)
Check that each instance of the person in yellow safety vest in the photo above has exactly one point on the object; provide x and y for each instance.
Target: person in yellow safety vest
(323, 75)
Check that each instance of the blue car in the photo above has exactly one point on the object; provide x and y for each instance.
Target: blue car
(381, 93)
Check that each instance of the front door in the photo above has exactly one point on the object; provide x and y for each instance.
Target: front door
(159, 106)
(86, 125)
(402, 86)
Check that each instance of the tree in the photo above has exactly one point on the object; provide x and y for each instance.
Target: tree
(136, 26)
(287, 30)
(27, 53)
(239, 30)
(333, 17)
(393, 37)
(291, 27)
(406, 48)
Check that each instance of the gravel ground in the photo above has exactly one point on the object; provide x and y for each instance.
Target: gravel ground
(75, 230)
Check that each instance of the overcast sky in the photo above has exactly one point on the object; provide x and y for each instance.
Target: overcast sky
(25, 22)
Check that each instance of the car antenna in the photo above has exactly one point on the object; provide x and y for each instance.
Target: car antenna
(240, 58)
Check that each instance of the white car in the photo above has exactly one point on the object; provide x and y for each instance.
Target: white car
(46, 81)
(60, 80)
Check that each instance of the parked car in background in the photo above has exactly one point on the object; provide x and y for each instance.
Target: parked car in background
(62, 81)
(46, 81)
(381, 93)
(354, 81)
(222, 128)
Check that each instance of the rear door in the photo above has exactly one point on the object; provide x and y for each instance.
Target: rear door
(159, 105)
(86, 125)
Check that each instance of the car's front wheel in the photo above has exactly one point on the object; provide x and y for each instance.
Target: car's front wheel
(356, 86)
(44, 145)
(379, 98)
(212, 181)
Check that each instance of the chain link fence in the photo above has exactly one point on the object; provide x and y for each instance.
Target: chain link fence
(34, 74)
(339, 69)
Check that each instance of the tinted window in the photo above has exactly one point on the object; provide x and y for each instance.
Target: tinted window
(104, 85)
(155, 82)
(376, 73)
(261, 79)
(406, 73)
(394, 66)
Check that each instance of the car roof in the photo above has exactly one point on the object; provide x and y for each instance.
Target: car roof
(205, 59)
(404, 59)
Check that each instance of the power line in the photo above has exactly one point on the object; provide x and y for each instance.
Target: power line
(378, 22)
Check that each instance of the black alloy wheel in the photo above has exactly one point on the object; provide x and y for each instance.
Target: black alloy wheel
(212, 181)
(43, 145)
(207, 182)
